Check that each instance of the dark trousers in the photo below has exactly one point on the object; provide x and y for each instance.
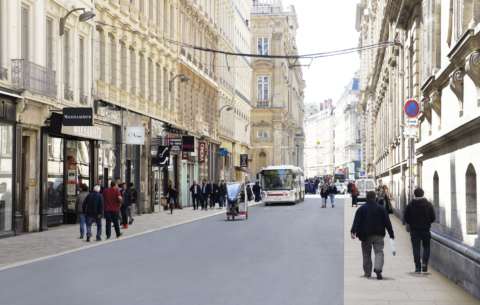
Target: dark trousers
(354, 200)
(109, 217)
(222, 201)
(94, 218)
(212, 201)
(424, 237)
(204, 201)
(257, 196)
(124, 211)
(195, 201)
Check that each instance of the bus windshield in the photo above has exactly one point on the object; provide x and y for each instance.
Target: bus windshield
(277, 179)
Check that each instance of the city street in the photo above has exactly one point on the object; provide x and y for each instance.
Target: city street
(283, 254)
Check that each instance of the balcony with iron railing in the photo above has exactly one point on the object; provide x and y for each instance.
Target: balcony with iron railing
(262, 104)
(27, 76)
(3, 73)
(82, 97)
(67, 93)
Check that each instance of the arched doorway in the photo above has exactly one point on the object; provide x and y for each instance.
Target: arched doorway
(436, 196)
(471, 199)
(262, 160)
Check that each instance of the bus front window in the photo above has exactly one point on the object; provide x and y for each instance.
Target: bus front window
(277, 179)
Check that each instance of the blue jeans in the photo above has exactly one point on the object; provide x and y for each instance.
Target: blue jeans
(222, 201)
(332, 199)
(90, 220)
(354, 200)
(81, 218)
(257, 196)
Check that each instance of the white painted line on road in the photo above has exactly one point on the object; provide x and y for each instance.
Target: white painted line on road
(105, 242)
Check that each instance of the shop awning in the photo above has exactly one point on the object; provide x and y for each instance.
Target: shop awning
(243, 169)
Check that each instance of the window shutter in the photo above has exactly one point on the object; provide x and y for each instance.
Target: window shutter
(24, 32)
(49, 33)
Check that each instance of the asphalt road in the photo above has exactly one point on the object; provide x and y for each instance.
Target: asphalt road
(283, 254)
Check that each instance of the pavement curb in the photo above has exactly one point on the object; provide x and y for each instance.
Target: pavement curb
(105, 242)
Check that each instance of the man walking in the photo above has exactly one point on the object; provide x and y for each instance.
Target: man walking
(126, 205)
(419, 215)
(256, 191)
(131, 211)
(99, 183)
(113, 200)
(196, 193)
(215, 197)
(324, 192)
(92, 208)
(221, 194)
(205, 194)
(369, 226)
(332, 192)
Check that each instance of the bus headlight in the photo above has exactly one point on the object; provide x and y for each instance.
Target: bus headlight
(264, 194)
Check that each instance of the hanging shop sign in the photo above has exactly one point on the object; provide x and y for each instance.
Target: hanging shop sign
(136, 135)
(162, 157)
(201, 152)
(243, 160)
(188, 144)
(223, 152)
(184, 155)
(77, 116)
(175, 144)
(97, 132)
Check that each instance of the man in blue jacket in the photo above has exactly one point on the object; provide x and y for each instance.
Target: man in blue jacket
(92, 208)
(369, 226)
(206, 191)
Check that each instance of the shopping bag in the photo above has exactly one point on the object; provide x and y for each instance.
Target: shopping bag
(164, 202)
(392, 247)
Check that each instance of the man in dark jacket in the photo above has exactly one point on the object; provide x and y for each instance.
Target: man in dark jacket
(332, 192)
(324, 192)
(256, 190)
(215, 196)
(131, 211)
(223, 193)
(205, 194)
(92, 208)
(196, 194)
(369, 226)
(420, 214)
(126, 205)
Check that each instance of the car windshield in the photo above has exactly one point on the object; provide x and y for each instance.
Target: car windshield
(277, 179)
(232, 190)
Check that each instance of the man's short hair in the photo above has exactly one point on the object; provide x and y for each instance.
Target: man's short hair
(371, 195)
(84, 187)
(130, 184)
(96, 188)
(418, 192)
(113, 183)
(118, 178)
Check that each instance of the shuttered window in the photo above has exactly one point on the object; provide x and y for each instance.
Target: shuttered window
(123, 66)
(165, 88)
(132, 71)
(66, 66)
(24, 47)
(159, 84)
(49, 44)
(81, 66)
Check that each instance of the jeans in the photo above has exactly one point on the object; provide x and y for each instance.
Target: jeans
(124, 211)
(354, 200)
(81, 219)
(205, 201)
(424, 237)
(332, 199)
(377, 242)
(131, 211)
(90, 220)
(109, 217)
(257, 196)
(222, 201)
(324, 202)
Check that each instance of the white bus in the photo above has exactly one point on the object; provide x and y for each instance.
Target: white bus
(284, 183)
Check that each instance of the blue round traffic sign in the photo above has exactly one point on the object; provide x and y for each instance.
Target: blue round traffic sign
(412, 109)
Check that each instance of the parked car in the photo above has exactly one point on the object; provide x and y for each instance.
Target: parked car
(364, 186)
(341, 188)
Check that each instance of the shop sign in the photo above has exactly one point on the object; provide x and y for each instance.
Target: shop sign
(201, 152)
(188, 143)
(175, 144)
(184, 155)
(223, 152)
(136, 135)
(162, 156)
(243, 160)
(97, 132)
(77, 116)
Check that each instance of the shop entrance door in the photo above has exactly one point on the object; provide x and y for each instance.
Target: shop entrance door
(128, 172)
(106, 183)
(23, 190)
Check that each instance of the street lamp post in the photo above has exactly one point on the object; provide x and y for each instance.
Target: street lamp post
(184, 79)
(228, 109)
(83, 17)
(254, 124)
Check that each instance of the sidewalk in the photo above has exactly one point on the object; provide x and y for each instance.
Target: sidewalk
(400, 285)
(32, 247)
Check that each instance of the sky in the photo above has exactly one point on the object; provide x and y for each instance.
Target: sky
(326, 25)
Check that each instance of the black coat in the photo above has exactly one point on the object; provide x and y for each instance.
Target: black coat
(256, 188)
(419, 214)
(93, 204)
(324, 193)
(199, 191)
(208, 189)
(172, 194)
(371, 219)
(221, 190)
(333, 190)
(134, 195)
(215, 189)
(126, 197)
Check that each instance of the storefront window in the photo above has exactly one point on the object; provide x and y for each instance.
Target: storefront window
(78, 167)
(6, 141)
(107, 159)
(55, 175)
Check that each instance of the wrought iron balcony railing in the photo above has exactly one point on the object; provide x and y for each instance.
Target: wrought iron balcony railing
(83, 97)
(27, 76)
(182, 51)
(263, 104)
(3, 73)
(68, 94)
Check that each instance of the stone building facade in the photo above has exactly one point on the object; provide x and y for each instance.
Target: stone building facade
(347, 131)
(435, 63)
(278, 87)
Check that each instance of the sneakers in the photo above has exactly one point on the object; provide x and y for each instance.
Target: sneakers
(98, 239)
(417, 271)
(131, 221)
(88, 238)
(333, 206)
(81, 236)
(379, 274)
(119, 235)
(424, 267)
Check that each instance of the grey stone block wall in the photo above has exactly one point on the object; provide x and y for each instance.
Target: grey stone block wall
(458, 268)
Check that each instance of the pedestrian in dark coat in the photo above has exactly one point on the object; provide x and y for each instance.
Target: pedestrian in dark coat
(92, 209)
(256, 191)
(354, 194)
(349, 187)
(172, 197)
(249, 193)
(131, 211)
(206, 192)
(324, 193)
(126, 205)
(419, 215)
(332, 192)
(369, 226)
(196, 194)
(79, 203)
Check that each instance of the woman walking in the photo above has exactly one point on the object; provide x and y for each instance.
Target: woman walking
(81, 217)
(354, 192)
(384, 199)
(324, 192)
(172, 197)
